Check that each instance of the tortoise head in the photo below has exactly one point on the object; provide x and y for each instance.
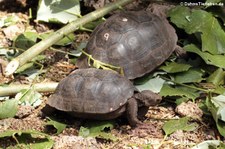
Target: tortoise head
(148, 98)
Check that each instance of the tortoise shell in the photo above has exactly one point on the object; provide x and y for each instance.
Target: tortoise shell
(91, 91)
(137, 41)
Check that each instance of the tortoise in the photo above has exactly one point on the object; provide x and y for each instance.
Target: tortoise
(136, 41)
(102, 95)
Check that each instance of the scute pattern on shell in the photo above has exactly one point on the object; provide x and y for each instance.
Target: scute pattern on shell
(136, 41)
(91, 91)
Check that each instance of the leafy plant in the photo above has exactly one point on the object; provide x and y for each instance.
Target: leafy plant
(29, 97)
(180, 124)
(98, 64)
(62, 11)
(97, 129)
(210, 144)
(216, 106)
(8, 108)
(58, 125)
(29, 139)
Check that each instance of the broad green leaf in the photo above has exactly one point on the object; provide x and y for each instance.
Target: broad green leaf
(219, 90)
(8, 108)
(77, 52)
(63, 11)
(219, 102)
(216, 60)
(179, 124)
(97, 129)
(216, 106)
(194, 21)
(185, 92)
(29, 97)
(181, 100)
(26, 40)
(213, 1)
(215, 144)
(58, 125)
(218, 12)
(154, 84)
(192, 75)
(38, 140)
(68, 39)
(180, 16)
(174, 67)
(217, 77)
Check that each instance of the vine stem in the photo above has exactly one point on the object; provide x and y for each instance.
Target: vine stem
(40, 87)
(192, 87)
(59, 34)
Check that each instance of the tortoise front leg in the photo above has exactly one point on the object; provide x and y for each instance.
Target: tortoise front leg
(132, 111)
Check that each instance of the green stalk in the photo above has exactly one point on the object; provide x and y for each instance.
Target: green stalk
(40, 87)
(56, 36)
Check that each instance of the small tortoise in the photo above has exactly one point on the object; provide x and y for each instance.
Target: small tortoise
(137, 41)
(101, 94)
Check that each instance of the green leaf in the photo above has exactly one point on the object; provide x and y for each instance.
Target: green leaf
(97, 129)
(216, 60)
(63, 11)
(218, 12)
(8, 108)
(219, 90)
(213, 1)
(58, 125)
(26, 40)
(181, 100)
(174, 67)
(180, 16)
(180, 124)
(25, 67)
(29, 97)
(192, 75)
(153, 84)
(37, 139)
(186, 92)
(216, 144)
(8, 20)
(219, 103)
(194, 21)
(216, 106)
(217, 77)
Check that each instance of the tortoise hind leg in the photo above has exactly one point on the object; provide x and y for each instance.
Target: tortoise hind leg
(132, 112)
(180, 52)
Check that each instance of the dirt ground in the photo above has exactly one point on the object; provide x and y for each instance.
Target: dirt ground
(146, 136)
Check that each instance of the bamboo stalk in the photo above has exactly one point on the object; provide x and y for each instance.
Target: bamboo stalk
(40, 87)
(44, 44)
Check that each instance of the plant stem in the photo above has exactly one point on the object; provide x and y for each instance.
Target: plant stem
(56, 36)
(188, 86)
(40, 87)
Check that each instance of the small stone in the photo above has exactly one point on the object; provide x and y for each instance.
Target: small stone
(189, 109)
(24, 111)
